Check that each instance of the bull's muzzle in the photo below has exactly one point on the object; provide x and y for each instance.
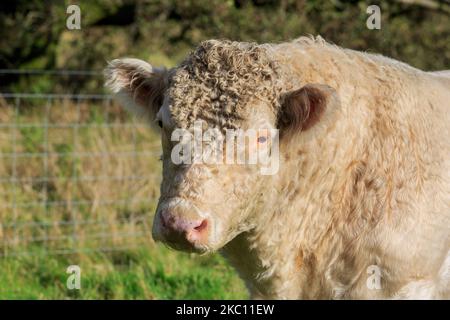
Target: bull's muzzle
(181, 226)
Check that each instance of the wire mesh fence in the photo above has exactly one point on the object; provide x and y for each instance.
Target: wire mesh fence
(77, 174)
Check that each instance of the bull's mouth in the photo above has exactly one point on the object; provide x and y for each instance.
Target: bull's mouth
(188, 247)
(179, 242)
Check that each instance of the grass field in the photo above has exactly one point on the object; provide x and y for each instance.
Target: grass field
(151, 272)
(78, 186)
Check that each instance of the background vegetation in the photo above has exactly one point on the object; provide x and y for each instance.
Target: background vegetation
(33, 35)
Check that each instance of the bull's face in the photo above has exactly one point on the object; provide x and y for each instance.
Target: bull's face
(212, 179)
(220, 151)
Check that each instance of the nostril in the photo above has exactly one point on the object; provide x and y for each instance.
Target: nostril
(163, 221)
(202, 226)
(198, 233)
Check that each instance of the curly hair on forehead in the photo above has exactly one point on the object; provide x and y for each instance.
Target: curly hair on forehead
(216, 81)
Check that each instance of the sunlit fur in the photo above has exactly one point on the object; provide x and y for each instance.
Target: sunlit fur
(368, 184)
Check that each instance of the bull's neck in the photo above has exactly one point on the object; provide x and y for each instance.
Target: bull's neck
(289, 227)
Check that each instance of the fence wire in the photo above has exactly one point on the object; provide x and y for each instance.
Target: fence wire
(77, 174)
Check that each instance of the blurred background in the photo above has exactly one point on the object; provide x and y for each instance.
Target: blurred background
(79, 178)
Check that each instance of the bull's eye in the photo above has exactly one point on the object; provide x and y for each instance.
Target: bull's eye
(160, 123)
(262, 139)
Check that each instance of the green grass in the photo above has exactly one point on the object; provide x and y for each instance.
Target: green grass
(144, 273)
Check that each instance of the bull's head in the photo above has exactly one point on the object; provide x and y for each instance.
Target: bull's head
(220, 87)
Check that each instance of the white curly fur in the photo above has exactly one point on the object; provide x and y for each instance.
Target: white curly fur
(371, 186)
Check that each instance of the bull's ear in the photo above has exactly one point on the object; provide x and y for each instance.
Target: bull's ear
(137, 85)
(304, 108)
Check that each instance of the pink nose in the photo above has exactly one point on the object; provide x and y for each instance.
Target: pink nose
(180, 230)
